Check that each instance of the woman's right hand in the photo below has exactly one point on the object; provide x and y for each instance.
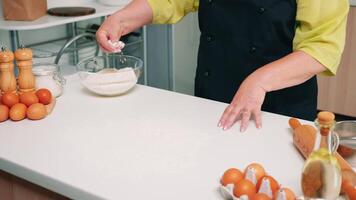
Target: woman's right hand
(110, 32)
(135, 15)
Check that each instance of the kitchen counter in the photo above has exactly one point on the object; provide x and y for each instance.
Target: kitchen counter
(147, 144)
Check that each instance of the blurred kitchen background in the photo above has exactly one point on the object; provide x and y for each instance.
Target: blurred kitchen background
(169, 51)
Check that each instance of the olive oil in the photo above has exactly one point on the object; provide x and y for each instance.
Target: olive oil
(321, 177)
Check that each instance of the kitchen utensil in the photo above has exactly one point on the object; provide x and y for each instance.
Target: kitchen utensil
(71, 11)
(111, 74)
(321, 176)
(348, 142)
(7, 76)
(49, 76)
(347, 133)
(304, 137)
(26, 79)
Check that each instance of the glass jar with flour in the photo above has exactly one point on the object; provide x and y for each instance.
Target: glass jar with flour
(49, 76)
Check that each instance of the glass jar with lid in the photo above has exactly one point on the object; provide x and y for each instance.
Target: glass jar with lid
(49, 76)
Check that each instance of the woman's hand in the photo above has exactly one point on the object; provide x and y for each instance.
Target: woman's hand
(110, 32)
(282, 73)
(246, 104)
(136, 14)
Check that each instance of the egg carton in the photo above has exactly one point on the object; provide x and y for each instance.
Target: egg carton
(227, 191)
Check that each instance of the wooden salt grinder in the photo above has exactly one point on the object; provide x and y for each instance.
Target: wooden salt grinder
(26, 79)
(7, 76)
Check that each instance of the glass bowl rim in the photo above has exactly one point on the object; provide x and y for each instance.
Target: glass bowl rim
(138, 67)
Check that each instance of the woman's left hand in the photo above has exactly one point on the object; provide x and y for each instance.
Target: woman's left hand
(246, 104)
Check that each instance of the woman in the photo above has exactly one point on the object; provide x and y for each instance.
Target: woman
(256, 54)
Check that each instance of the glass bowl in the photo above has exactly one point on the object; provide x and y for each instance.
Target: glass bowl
(110, 75)
(347, 129)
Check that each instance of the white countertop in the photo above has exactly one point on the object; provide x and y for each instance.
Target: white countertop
(49, 21)
(147, 144)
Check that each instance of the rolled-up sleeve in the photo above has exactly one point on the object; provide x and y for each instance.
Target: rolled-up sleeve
(321, 31)
(171, 11)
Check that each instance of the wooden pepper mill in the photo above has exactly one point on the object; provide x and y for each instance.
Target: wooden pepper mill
(7, 76)
(26, 79)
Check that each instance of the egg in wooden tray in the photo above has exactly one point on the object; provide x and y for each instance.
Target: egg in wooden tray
(31, 105)
(19, 97)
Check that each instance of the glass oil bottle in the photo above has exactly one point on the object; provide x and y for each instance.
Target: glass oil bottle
(321, 177)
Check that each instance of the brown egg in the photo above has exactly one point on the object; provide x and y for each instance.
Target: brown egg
(258, 168)
(10, 99)
(36, 111)
(289, 194)
(260, 196)
(4, 113)
(44, 96)
(231, 176)
(273, 183)
(18, 112)
(244, 187)
(28, 98)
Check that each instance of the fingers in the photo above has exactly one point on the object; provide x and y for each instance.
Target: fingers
(258, 119)
(233, 113)
(245, 120)
(107, 37)
(103, 39)
(114, 37)
(229, 117)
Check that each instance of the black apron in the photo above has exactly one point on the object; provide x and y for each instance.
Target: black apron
(238, 37)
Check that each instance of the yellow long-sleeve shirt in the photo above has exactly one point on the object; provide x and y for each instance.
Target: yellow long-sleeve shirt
(320, 32)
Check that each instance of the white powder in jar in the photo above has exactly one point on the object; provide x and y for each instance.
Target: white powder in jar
(48, 76)
(109, 82)
(50, 84)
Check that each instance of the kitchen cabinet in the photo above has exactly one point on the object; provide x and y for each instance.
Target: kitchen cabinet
(338, 93)
(14, 188)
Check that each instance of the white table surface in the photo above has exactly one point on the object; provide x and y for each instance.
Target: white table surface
(49, 21)
(147, 144)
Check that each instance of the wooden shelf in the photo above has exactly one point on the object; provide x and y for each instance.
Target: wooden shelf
(50, 21)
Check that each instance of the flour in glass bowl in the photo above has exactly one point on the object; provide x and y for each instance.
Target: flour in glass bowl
(109, 82)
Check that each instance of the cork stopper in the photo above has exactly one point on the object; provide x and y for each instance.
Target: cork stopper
(326, 118)
(6, 56)
(23, 54)
(326, 121)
